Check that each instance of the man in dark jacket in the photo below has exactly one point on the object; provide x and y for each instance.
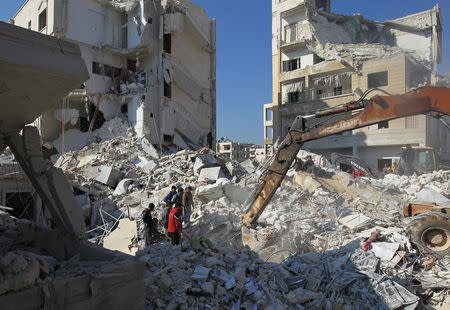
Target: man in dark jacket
(170, 195)
(308, 165)
(148, 223)
(178, 197)
(175, 225)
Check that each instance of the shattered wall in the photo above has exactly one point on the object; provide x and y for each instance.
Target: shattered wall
(322, 60)
(123, 45)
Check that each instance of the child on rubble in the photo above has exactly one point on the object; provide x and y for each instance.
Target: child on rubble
(148, 223)
(175, 226)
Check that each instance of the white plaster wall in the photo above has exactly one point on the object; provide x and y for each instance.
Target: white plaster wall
(99, 83)
(194, 60)
(306, 57)
(421, 44)
(198, 17)
(94, 24)
(136, 115)
(30, 12)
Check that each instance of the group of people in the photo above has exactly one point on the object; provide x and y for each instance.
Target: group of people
(179, 204)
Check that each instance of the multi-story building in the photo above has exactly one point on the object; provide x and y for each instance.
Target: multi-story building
(322, 60)
(235, 150)
(151, 62)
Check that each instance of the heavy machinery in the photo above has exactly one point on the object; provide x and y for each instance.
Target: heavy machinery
(433, 101)
(347, 162)
(423, 159)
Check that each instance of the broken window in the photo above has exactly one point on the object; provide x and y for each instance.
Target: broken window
(294, 97)
(290, 33)
(319, 93)
(317, 59)
(383, 125)
(168, 43)
(167, 89)
(337, 91)
(377, 79)
(43, 20)
(131, 65)
(291, 65)
(227, 147)
(109, 71)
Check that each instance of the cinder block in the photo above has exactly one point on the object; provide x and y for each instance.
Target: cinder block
(109, 176)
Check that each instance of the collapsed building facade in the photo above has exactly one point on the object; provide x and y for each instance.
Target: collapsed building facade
(321, 60)
(151, 64)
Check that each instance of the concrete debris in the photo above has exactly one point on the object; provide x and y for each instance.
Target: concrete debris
(306, 251)
(109, 176)
(119, 239)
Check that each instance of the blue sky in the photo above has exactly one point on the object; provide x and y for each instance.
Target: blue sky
(244, 69)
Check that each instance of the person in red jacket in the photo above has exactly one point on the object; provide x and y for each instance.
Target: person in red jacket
(175, 224)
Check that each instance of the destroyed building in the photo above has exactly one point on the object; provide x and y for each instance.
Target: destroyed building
(321, 60)
(151, 64)
(236, 150)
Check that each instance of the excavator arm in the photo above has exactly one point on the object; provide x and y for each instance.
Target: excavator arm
(434, 101)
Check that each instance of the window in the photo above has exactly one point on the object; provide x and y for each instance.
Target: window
(227, 147)
(337, 91)
(291, 65)
(109, 71)
(378, 79)
(269, 115)
(319, 93)
(167, 89)
(383, 125)
(412, 122)
(131, 65)
(43, 20)
(269, 133)
(317, 59)
(29, 24)
(168, 43)
(294, 97)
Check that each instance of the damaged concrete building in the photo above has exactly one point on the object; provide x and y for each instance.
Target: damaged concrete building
(151, 64)
(321, 60)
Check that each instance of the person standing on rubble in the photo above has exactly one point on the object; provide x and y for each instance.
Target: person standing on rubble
(165, 218)
(169, 196)
(148, 223)
(178, 197)
(188, 204)
(308, 166)
(175, 225)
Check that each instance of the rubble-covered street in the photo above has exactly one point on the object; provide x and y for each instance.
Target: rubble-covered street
(307, 250)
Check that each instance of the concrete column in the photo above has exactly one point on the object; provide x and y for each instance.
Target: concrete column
(355, 150)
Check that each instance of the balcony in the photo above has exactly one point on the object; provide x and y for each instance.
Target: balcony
(293, 37)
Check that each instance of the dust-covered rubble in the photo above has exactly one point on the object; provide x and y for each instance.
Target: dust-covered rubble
(306, 252)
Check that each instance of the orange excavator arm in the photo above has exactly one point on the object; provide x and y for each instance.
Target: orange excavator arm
(434, 101)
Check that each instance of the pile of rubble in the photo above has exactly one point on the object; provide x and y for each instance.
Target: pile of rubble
(305, 250)
(222, 278)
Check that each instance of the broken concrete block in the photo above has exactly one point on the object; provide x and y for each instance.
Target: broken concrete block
(146, 165)
(122, 187)
(231, 282)
(109, 176)
(209, 192)
(149, 148)
(208, 287)
(211, 174)
(385, 250)
(248, 166)
(204, 161)
(355, 220)
(211, 261)
(120, 238)
(200, 273)
(306, 182)
(430, 195)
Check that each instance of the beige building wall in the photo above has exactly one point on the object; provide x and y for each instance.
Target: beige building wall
(380, 141)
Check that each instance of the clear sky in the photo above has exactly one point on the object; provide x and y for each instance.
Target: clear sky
(244, 69)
